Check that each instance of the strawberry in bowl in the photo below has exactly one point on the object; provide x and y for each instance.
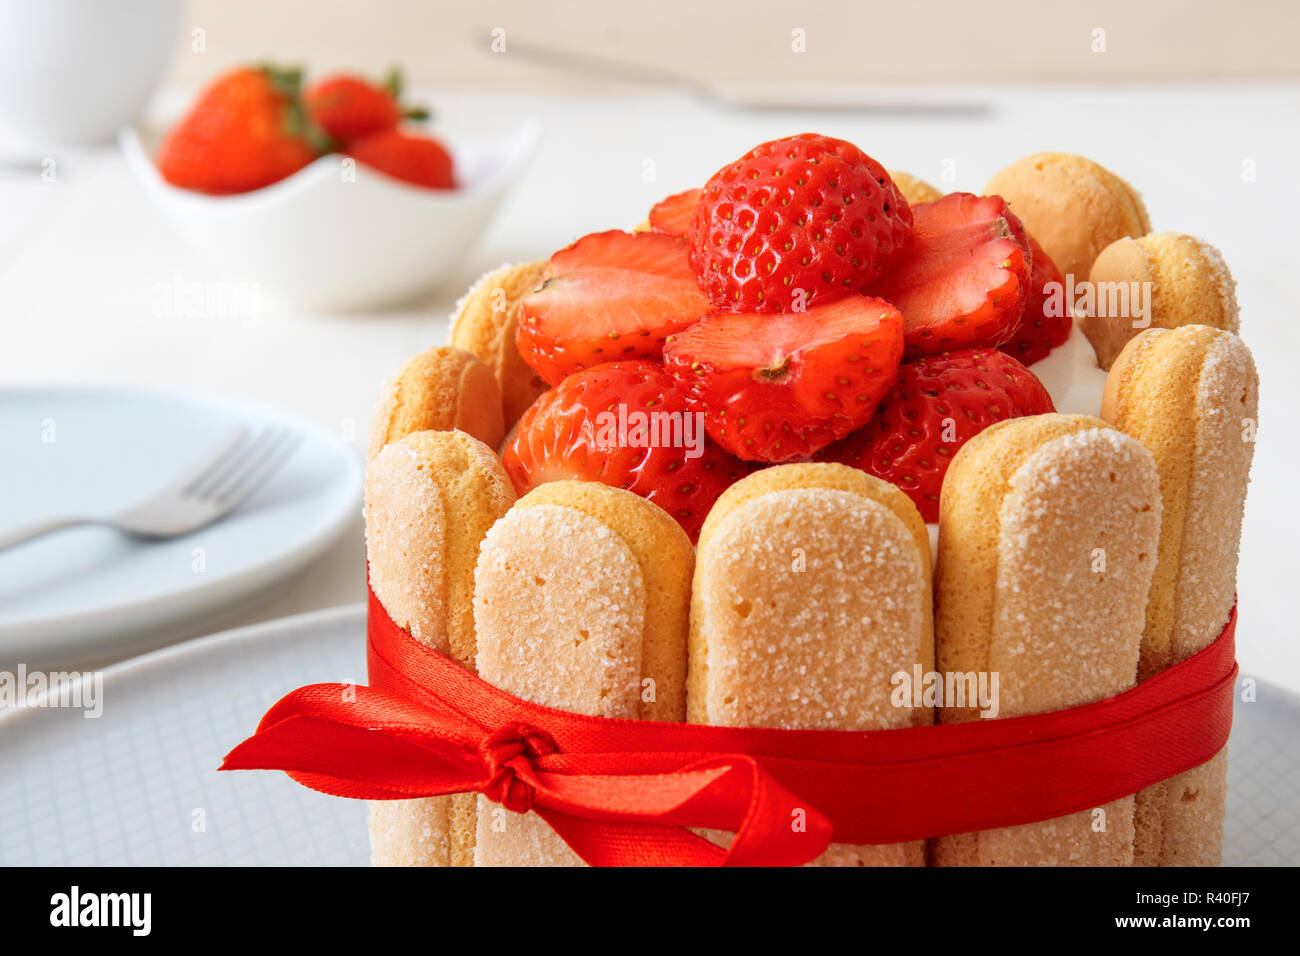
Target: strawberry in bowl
(363, 120)
(349, 108)
(246, 131)
(326, 200)
(254, 126)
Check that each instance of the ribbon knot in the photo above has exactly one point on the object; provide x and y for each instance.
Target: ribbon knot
(509, 753)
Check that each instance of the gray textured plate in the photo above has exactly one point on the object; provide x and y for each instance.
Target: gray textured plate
(139, 785)
(1263, 827)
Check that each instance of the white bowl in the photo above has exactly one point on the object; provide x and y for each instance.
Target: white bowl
(337, 235)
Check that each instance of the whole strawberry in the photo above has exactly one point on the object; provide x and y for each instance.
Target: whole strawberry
(1041, 327)
(609, 296)
(349, 107)
(796, 221)
(247, 130)
(418, 160)
(623, 424)
(779, 387)
(938, 403)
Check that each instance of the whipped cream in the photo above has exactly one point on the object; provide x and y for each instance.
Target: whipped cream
(1071, 376)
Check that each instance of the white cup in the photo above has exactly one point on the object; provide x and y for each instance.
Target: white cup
(73, 71)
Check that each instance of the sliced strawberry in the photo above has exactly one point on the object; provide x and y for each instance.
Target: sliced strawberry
(1041, 328)
(610, 296)
(796, 222)
(672, 216)
(624, 425)
(963, 281)
(778, 387)
(938, 404)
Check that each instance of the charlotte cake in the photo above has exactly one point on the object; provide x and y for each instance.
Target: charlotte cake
(838, 314)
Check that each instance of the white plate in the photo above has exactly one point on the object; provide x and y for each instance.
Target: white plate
(92, 594)
(124, 788)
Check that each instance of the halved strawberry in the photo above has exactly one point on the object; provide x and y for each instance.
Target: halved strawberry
(610, 296)
(1040, 329)
(938, 403)
(778, 387)
(672, 216)
(963, 280)
(624, 425)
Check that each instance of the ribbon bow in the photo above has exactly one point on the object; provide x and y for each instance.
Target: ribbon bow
(626, 792)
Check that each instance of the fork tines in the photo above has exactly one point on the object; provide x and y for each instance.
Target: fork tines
(244, 466)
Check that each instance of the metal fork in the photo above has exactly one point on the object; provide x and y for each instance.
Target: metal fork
(236, 467)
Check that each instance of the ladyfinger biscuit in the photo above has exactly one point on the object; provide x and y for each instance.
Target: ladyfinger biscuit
(485, 322)
(914, 190)
(440, 389)
(812, 590)
(1048, 528)
(581, 602)
(1074, 207)
(1188, 283)
(1191, 396)
(430, 499)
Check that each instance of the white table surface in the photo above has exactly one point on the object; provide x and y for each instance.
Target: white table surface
(81, 277)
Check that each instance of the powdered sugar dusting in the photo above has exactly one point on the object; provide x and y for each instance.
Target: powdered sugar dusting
(811, 600)
(1078, 540)
(1226, 407)
(405, 542)
(1226, 285)
(559, 606)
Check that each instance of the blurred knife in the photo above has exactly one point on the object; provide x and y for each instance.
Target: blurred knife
(588, 64)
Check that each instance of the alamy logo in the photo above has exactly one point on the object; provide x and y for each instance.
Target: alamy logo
(83, 690)
(655, 429)
(1103, 300)
(954, 689)
(75, 908)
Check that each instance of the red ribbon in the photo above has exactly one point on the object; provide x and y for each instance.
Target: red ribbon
(624, 792)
